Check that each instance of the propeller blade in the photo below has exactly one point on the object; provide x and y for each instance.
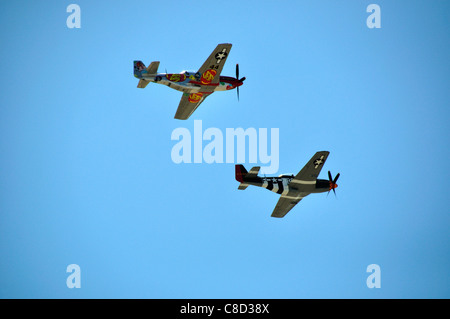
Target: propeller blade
(336, 178)
(333, 184)
(240, 80)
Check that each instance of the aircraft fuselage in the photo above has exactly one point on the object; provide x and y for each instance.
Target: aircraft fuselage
(280, 185)
(188, 82)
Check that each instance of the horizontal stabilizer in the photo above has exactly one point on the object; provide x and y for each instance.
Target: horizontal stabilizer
(243, 186)
(253, 172)
(153, 67)
(142, 83)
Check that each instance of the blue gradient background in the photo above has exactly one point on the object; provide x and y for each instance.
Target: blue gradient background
(87, 177)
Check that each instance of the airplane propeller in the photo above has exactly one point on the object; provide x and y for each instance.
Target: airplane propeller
(333, 184)
(237, 78)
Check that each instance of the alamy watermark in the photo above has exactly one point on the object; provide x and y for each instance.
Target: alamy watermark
(74, 279)
(374, 279)
(190, 147)
(374, 19)
(74, 19)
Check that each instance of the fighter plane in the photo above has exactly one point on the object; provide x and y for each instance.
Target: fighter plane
(196, 86)
(291, 188)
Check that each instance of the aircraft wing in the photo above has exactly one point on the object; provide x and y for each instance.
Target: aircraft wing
(308, 175)
(284, 205)
(310, 172)
(211, 69)
(209, 78)
(189, 103)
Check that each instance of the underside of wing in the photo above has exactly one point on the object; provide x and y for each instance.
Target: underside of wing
(310, 172)
(284, 205)
(211, 69)
(188, 104)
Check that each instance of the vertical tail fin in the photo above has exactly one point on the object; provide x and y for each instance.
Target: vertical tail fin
(139, 68)
(240, 173)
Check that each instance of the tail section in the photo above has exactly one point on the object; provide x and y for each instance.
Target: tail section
(140, 70)
(242, 175)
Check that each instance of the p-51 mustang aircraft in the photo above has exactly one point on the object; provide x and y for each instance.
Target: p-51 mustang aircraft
(196, 86)
(291, 188)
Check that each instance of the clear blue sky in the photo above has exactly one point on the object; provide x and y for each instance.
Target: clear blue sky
(87, 176)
